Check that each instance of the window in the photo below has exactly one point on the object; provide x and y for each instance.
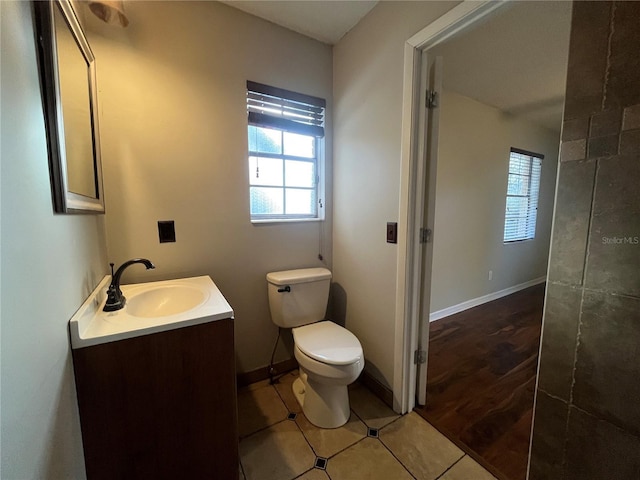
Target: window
(286, 140)
(522, 195)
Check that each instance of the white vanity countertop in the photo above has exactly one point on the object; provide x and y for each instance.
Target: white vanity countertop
(91, 326)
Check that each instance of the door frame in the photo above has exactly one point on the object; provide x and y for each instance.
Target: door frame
(411, 276)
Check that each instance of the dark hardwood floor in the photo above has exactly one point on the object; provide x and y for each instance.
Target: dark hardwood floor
(481, 377)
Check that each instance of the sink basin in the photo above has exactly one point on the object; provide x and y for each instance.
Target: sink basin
(151, 307)
(162, 301)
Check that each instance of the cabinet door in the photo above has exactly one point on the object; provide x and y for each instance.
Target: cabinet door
(160, 406)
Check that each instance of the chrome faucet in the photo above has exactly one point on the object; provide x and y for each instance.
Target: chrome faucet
(115, 298)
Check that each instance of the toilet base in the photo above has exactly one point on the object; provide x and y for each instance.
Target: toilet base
(326, 406)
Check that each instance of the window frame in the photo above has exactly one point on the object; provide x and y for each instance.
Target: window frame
(312, 127)
(531, 210)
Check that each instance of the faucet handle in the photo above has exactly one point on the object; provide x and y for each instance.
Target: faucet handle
(111, 264)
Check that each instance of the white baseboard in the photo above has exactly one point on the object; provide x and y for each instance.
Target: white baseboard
(474, 302)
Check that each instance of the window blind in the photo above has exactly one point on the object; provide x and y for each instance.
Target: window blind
(522, 195)
(285, 110)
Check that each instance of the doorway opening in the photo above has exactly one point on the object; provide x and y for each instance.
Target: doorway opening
(491, 77)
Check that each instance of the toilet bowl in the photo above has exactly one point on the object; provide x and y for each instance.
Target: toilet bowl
(330, 356)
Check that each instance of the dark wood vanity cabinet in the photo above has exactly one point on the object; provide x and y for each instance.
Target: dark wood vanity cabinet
(160, 406)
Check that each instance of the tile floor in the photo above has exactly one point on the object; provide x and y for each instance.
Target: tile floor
(277, 442)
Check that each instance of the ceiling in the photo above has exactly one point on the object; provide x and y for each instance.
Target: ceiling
(515, 60)
(326, 21)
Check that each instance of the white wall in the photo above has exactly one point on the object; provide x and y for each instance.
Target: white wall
(473, 161)
(50, 263)
(172, 92)
(368, 69)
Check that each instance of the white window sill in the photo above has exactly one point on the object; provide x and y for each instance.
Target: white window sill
(262, 221)
(515, 242)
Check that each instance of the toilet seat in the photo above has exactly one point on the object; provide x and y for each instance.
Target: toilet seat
(328, 343)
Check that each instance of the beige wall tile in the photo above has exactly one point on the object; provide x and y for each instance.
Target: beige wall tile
(258, 408)
(367, 459)
(277, 453)
(467, 469)
(421, 448)
(329, 441)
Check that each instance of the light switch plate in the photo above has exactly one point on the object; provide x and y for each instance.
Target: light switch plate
(392, 232)
(166, 231)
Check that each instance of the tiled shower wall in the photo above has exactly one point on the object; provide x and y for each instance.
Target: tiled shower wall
(587, 416)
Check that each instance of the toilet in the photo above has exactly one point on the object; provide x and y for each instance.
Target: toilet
(330, 356)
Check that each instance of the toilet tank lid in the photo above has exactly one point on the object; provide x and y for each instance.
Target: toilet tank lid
(304, 275)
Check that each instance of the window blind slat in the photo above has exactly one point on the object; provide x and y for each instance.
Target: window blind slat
(262, 120)
(288, 94)
(255, 98)
(285, 110)
(279, 111)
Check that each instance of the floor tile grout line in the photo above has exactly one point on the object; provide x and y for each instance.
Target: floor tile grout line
(262, 429)
(296, 422)
(307, 471)
(306, 439)
(302, 431)
(379, 428)
(375, 439)
(303, 436)
(346, 448)
(394, 420)
(339, 451)
(302, 474)
(360, 418)
(459, 447)
(241, 467)
(397, 459)
(451, 466)
(280, 396)
(332, 456)
(271, 425)
(406, 468)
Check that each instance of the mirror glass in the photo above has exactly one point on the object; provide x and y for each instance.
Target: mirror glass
(73, 74)
(67, 68)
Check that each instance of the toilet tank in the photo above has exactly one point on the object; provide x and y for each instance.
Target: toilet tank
(298, 297)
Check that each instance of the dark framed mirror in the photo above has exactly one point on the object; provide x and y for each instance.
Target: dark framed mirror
(69, 93)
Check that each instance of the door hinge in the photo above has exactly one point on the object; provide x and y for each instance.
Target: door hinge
(432, 99)
(425, 235)
(419, 357)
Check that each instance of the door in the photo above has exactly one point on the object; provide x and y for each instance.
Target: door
(428, 152)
